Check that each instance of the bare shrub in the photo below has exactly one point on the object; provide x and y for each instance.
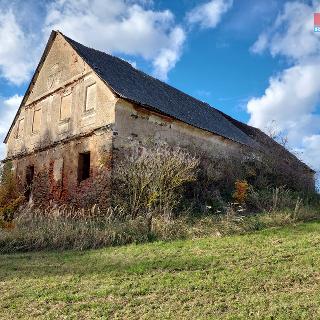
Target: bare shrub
(152, 180)
(272, 199)
(281, 206)
(10, 196)
(8, 186)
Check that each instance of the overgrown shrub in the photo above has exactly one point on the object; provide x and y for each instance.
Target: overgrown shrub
(10, 196)
(152, 180)
(215, 181)
(280, 198)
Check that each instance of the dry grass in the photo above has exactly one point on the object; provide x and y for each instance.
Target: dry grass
(61, 229)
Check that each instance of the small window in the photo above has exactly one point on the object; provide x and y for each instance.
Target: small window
(29, 181)
(65, 108)
(91, 97)
(83, 166)
(36, 123)
(20, 129)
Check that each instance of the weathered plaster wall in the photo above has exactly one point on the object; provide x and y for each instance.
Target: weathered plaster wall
(60, 104)
(134, 124)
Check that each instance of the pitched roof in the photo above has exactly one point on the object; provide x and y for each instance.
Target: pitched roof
(136, 86)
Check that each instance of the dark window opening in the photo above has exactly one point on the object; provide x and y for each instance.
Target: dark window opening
(29, 181)
(84, 166)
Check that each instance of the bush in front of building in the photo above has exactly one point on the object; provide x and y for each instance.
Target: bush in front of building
(152, 181)
(10, 196)
(156, 193)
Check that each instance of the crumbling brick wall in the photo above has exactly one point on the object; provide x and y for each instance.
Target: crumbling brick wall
(56, 171)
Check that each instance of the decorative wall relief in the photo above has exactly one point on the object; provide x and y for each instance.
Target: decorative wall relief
(54, 76)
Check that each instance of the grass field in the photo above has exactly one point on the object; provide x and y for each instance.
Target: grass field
(272, 274)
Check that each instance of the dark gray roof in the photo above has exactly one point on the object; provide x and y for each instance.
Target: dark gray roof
(268, 145)
(134, 85)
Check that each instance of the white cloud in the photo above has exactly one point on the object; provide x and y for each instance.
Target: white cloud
(121, 27)
(16, 49)
(261, 44)
(209, 14)
(292, 34)
(128, 27)
(292, 98)
(297, 38)
(8, 109)
(311, 146)
(168, 57)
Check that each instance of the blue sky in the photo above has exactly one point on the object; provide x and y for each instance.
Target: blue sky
(256, 60)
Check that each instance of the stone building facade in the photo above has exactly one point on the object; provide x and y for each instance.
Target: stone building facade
(83, 107)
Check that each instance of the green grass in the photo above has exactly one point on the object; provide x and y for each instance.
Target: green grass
(272, 274)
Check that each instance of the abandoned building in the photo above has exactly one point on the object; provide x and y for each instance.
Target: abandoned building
(83, 106)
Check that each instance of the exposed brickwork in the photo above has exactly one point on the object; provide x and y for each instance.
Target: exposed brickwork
(67, 190)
